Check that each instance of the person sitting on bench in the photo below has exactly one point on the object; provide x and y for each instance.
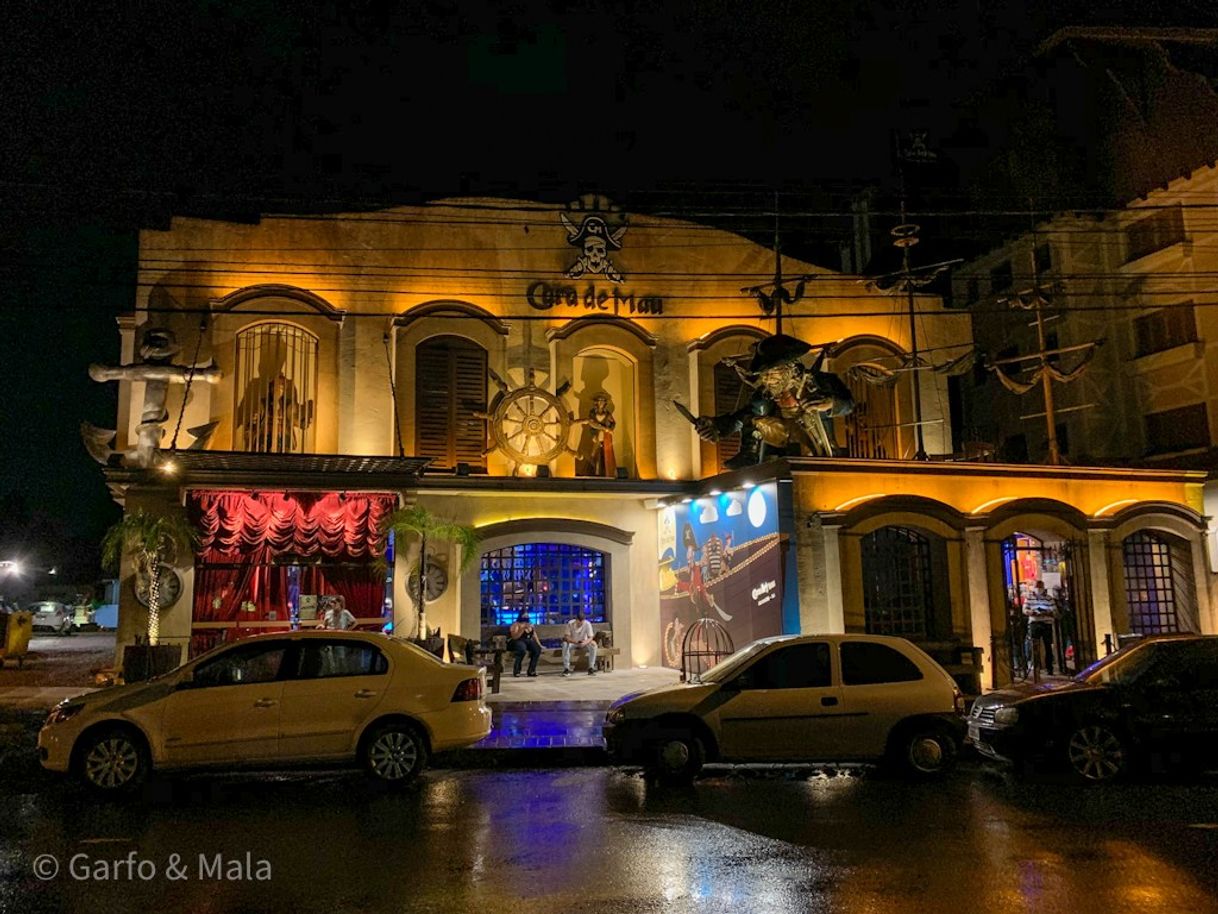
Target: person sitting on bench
(578, 634)
(522, 639)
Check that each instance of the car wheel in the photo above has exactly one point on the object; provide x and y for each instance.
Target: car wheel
(394, 755)
(113, 761)
(675, 757)
(1095, 753)
(924, 752)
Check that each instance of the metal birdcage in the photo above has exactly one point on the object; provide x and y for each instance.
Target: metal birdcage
(705, 644)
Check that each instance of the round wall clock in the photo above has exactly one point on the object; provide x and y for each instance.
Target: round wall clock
(171, 587)
(434, 583)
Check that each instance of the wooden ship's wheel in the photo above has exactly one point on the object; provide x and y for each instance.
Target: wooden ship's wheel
(530, 425)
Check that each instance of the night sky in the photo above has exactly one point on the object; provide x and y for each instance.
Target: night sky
(116, 116)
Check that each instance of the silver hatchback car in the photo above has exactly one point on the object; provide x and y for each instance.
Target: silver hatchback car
(50, 616)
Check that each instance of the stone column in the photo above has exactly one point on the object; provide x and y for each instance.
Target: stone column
(365, 404)
(835, 605)
(810, 567)
(1101, 595)
(980, 619)
(674, 444)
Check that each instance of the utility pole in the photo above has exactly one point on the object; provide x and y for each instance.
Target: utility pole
(1046, 380)
(1043, 371)
(904, 237)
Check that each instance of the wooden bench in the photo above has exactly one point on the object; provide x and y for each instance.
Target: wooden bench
(494, 654)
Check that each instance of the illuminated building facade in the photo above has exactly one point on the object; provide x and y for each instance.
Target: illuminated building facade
(514, 367)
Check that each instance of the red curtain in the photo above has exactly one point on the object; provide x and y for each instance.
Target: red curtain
(235, 525)
(362, 587)
(248, 540)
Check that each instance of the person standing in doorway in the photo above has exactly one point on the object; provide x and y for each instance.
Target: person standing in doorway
(1038, 608)
(578, 635)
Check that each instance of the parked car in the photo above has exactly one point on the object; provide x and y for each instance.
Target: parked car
(797, 698)
(319, 697)
(1156, 697)
(50, 616)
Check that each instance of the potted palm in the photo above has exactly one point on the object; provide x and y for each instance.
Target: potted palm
(417, 521)
(150, 540)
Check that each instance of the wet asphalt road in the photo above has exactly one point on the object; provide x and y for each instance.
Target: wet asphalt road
(595, 839)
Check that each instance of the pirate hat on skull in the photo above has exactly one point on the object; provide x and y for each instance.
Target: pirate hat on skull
(775, 350)
(596, 227)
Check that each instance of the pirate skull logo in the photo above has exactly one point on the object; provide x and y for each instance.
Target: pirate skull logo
(595, 240)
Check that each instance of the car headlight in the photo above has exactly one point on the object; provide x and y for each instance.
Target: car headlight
(1005, 717)
(615, 716)
(63, 712)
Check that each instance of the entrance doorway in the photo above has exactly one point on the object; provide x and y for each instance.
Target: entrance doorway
(1029, 559)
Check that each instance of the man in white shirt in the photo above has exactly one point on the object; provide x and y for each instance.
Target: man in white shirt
(578, 635)
(337, 616)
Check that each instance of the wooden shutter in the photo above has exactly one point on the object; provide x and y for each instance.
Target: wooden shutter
(729, 397)
(450, 386)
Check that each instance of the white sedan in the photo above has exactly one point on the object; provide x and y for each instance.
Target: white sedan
(318, 697)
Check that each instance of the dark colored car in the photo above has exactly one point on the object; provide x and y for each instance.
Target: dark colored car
(1155, 701)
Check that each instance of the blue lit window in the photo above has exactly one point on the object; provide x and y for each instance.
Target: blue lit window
(549, 581)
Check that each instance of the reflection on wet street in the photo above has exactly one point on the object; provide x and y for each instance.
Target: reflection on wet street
(594, 839)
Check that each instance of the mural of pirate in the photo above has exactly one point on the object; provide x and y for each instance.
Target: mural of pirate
(696, 561)
(787, 410)
(595, 239)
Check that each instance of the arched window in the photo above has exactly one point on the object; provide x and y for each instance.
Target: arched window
(870, 429)
(898, 595)
(1159, 589)
(731, 393)
(450, 390)
(276, 389)
(549, 581)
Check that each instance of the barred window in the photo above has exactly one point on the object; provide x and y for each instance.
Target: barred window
(897, 597)
(276, 389)
(549, 581)
(1150, 584)
(1153, 233)
(1163, 329)
(730, 395)
(1001, 277)
(1173, 430)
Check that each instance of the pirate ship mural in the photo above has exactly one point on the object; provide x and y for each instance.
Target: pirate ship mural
(721, 558)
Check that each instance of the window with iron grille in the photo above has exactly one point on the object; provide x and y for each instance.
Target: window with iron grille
(1042, 256)
(450, 390)
(1001, 277)
(276, 389)
(1182, 429)
(897, 595)
(730, 395)
(1153, 233)
(1166, 328)
(549, 581)
(1150, 584)
(870, 428)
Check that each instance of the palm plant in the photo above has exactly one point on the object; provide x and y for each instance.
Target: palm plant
(149, 539)
(417, 521)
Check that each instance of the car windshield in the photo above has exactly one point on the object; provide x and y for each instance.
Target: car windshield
(1122, 667)
(727, 668)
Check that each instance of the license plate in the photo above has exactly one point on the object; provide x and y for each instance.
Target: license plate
(974, 733)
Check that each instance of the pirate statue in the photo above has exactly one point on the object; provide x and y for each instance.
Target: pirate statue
(785, 415)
